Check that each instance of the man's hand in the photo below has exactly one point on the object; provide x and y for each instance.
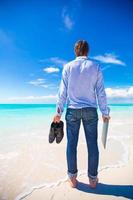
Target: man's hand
(57, 118)
(106, 118)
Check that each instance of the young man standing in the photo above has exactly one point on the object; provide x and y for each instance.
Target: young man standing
(81, 88)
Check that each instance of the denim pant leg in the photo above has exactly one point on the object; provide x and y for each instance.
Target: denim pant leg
(72, 129)
(90, 122)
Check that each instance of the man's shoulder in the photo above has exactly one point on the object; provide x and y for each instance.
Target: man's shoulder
(69, 64)
(89, 61)
(74, 61)
(93, 62)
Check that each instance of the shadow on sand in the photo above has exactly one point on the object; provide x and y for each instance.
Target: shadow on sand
(104, 189)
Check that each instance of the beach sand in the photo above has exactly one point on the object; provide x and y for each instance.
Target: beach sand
(38, 170)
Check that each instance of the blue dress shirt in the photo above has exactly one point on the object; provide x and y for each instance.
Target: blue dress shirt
(81, 86)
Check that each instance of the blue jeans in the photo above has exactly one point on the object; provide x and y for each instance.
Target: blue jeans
(89, 118)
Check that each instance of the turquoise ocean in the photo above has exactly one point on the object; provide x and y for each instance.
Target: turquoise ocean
(18, 118)
(23, 121)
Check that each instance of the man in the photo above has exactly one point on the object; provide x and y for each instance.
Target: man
(81, 88)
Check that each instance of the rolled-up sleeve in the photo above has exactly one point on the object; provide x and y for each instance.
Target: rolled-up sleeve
(101, 95)
(62, 93)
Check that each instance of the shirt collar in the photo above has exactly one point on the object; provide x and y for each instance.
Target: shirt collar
(81, 57)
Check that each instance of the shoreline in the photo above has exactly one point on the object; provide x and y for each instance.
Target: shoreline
(106, 189)
(122, 163)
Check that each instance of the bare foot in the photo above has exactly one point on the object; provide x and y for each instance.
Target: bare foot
(93, 183)
(73, 182)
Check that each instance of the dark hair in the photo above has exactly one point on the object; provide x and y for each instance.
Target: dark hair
(81, 47)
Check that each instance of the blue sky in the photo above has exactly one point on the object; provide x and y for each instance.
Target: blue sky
(37, 39)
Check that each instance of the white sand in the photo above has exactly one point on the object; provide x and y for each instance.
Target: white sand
(38, 171)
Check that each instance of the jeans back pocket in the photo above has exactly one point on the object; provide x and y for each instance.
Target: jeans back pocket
(89, 114)
(71, 115)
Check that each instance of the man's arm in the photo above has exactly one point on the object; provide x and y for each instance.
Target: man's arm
(101, 96)
(62, 95)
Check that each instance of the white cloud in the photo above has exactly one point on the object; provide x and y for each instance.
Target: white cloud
(109, 59)
(30, 99)
(40, 82)
(54, 61)
(123, 93)
(106, 67)
(51, 69)
(4, 38)
(68, 22)
(58, 61)
(7, 42)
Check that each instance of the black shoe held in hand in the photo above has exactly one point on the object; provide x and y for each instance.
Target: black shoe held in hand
(59, 132)
(56, 131)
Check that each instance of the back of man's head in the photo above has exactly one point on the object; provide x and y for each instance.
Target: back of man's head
(81, 48)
